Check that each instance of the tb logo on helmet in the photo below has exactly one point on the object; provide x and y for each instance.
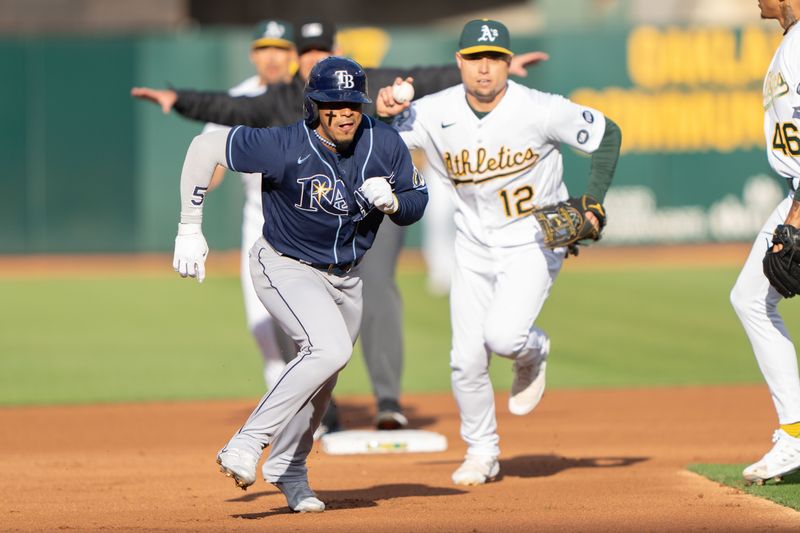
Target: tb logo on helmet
(334, 79)
(345, 79)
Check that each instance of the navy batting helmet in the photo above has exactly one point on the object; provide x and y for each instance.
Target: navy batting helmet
(334, 79)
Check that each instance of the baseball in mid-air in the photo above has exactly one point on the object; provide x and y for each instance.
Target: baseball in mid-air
(403, 92)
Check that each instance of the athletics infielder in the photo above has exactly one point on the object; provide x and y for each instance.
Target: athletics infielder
(272, 52)
(327, 182)
(498, 143)
(753, 298)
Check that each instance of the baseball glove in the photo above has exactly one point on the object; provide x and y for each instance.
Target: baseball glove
(565, 223)
(782, 268)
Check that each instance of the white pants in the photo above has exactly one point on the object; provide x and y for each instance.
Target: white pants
(438, 233)
(496, 295)
(756, 303)
(259, 322)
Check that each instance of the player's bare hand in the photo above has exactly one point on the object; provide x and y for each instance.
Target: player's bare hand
(385, 103)
(593, 220)
(165, 98)
(191, 251)
(520, 61)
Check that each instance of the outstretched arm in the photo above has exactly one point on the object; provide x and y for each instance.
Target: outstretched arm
(163, 97)
(221, 108)
(520, 61)
(279, 106)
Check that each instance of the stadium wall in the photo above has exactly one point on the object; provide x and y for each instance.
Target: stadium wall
(89, 169)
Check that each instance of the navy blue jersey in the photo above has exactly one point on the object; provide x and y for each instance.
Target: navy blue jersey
(313, 210)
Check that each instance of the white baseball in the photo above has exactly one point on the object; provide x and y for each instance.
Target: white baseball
(403, 92)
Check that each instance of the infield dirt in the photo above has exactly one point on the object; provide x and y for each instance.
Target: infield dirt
(600, 460)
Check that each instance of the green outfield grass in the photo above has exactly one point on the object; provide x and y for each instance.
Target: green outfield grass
(787, 492)
(110, 339)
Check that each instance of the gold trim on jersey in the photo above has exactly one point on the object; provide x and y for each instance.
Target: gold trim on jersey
(474, 168)
(774, 87)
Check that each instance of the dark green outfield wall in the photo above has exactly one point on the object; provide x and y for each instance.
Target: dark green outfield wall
(86, 168)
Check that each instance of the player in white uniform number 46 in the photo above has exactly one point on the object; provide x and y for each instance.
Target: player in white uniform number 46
(753, 298)
(497, 143)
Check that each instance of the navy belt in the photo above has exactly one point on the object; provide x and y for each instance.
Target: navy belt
(329, 268)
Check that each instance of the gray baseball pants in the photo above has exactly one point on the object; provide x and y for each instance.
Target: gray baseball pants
(321, 312)
(382, 325)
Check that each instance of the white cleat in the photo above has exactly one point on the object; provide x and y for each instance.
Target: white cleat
(529, 381)
(239, 465)
(782, 459)
(476, 470)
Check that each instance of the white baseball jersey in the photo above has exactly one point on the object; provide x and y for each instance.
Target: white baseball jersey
(782, 108)
(505, 164)
(258, 320)
(251, 182)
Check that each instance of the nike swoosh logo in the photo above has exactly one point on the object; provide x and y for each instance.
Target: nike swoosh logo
(447, 125)
(303, 158)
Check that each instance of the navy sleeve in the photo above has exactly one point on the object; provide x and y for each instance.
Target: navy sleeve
(409, 187)
(259, 150)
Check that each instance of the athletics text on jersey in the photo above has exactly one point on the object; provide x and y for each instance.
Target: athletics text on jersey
(505, 164)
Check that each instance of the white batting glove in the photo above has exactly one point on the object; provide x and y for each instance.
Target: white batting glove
(191, 251)
(379, 193)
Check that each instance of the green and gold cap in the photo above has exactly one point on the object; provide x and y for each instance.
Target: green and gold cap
(276, 33)
(484, 35)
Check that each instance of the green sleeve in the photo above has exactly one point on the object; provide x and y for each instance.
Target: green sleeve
(604, 161)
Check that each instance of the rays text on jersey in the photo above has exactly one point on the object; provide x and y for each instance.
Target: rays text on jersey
(466, 167)
(322, 192)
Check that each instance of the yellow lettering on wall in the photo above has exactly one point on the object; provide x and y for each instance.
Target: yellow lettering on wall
(695, 57)
(643, 55)
(681, 121)
(367, 45)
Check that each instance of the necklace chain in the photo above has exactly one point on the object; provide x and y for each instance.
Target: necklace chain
(324, 141)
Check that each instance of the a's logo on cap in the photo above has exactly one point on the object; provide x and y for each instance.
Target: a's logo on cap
(345, 79)
(312, 29)
(274, 30)
(487, 33)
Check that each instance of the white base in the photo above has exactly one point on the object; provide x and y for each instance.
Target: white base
(375, 441)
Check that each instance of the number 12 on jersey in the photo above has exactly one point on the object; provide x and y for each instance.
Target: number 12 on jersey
(518, 202)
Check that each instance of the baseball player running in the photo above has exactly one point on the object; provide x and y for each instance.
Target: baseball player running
(327, 182)
(272, 54)
(381, 331)
(754, 297)
(499, 146)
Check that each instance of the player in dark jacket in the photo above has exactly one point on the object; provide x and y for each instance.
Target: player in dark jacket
(280, 105)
